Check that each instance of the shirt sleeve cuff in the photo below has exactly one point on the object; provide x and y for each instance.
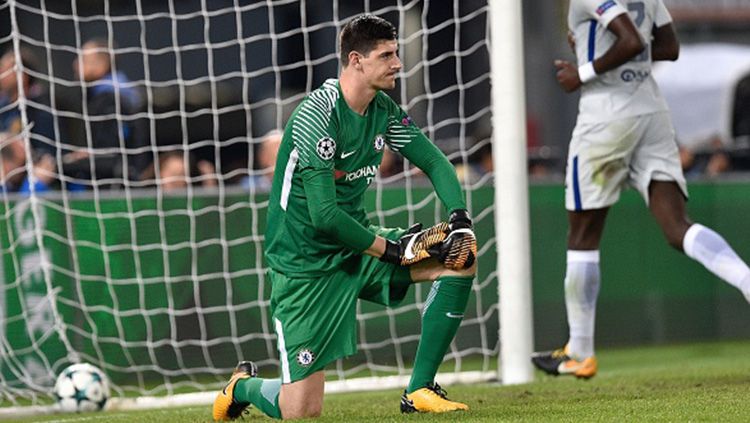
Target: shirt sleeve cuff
(608, 15)
(586, 72)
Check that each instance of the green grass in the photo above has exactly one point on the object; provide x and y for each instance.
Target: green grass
(697, 382)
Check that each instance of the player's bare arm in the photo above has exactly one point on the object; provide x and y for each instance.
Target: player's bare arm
(627, 46)
(665, 45)
(572, 41)
(377, 248)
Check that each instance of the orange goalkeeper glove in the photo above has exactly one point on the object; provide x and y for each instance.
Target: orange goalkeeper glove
(414, 246)
(459, 249)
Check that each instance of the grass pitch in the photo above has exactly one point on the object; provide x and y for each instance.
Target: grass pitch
(696, 382)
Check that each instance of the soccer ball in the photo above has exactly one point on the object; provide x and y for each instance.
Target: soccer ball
(81, 387)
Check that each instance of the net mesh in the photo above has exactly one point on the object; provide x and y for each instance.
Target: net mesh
(133, 205)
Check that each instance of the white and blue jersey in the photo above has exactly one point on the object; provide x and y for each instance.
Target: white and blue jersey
(628, 90)
(624, 134)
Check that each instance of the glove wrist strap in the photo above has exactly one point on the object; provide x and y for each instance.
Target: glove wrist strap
(392, 252)
(459, 218)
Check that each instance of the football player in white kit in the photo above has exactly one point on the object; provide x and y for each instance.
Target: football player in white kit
(623, 136)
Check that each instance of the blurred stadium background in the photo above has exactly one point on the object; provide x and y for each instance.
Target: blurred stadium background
(551, 113)
(651, 294)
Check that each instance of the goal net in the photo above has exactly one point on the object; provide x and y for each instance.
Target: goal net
(133, 205)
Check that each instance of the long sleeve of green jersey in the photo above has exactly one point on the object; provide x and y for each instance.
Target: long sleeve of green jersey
(426, 156)
(327, 217)
(407, 139)
(315, 139)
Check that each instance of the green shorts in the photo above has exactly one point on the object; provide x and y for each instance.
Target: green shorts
(316, 319)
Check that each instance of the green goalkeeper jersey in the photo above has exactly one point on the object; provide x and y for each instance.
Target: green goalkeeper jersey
(328, 157)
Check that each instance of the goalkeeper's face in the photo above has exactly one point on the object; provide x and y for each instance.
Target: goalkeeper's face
(380, 68)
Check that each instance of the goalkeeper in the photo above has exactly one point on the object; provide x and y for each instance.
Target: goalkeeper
(322, 252)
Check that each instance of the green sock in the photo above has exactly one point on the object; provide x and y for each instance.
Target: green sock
(262, 393)
(443, 312)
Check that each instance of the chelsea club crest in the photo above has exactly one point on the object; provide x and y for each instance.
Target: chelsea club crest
(305, 357)
(379, 142)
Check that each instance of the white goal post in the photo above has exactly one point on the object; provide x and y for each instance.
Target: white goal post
(111, 256)
(511, 193)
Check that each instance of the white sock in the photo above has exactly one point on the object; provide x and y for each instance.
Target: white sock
(581, 290)
(712, 251)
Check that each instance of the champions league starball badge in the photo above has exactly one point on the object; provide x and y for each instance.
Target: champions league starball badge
(326, 148)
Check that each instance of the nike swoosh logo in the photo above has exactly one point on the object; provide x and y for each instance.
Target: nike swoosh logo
(347, 154)
(409, 252)
(454, 315)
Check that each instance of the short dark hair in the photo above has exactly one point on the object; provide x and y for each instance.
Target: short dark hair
(362, 34)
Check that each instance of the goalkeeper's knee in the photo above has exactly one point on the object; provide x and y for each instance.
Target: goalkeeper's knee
(470, 271)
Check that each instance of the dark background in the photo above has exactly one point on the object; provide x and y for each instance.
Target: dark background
(217, 74)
